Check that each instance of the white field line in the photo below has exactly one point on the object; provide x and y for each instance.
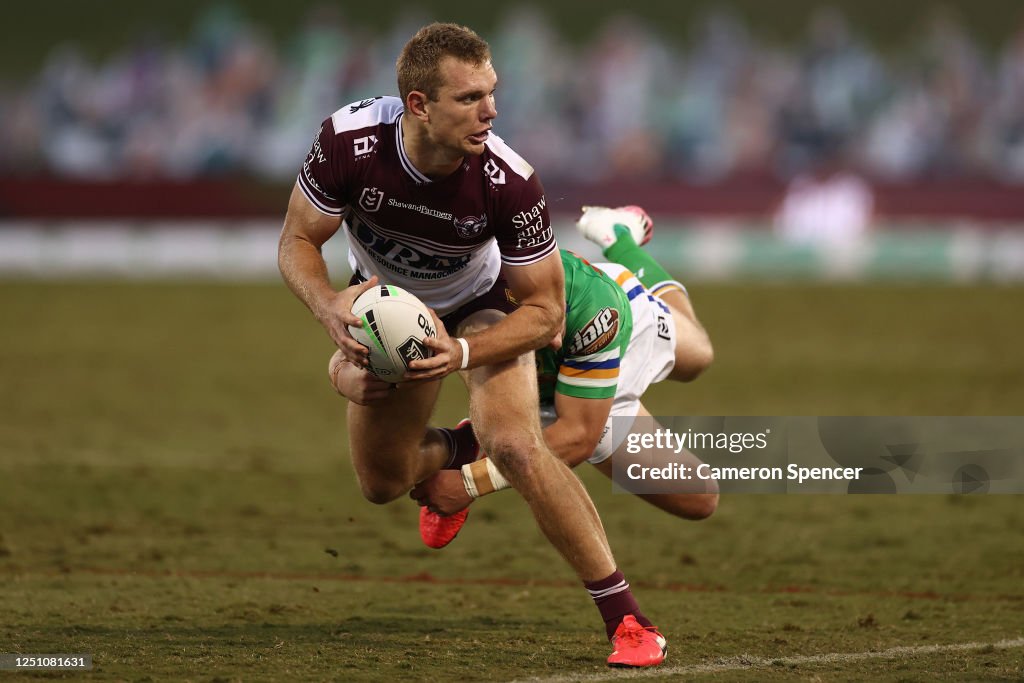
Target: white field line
(746, 662)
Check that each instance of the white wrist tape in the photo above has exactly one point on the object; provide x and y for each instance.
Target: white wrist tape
(465, 352)
(482, 477)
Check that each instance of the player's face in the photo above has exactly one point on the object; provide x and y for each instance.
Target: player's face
(461, 117)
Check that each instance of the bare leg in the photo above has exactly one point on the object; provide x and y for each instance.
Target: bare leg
(694, 352)
(504, 409)
(391, 447)
(688, 505)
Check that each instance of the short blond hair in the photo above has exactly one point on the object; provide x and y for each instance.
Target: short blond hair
(419, 64)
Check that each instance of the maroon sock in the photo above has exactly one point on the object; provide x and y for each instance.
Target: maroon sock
(462, 445)
(614, 599)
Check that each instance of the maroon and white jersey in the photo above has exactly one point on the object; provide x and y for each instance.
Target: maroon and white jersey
(443, 240)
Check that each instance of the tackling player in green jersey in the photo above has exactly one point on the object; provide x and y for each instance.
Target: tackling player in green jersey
(623, 333)
(619, 338)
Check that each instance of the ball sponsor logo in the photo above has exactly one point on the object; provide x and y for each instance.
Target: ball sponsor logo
(412, 349)
(426, 325)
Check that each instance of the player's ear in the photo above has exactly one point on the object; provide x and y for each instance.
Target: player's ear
(416, 104)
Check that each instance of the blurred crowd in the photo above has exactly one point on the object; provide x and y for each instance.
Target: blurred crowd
(633, 101)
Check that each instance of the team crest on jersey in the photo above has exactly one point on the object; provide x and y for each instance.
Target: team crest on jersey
(470, 226)
(371, 199)
(596, 334)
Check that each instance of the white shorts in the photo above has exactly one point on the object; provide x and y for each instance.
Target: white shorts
(650, 357)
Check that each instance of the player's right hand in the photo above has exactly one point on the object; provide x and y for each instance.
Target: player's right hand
(337, 318)
(445, 357)
(443, 493)
(357, 385)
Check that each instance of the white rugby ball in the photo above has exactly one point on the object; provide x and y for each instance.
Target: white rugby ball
(395, 323)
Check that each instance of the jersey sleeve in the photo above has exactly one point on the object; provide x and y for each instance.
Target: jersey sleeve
(590, 368)
(524, 232)
(594, 376)
(321, 177)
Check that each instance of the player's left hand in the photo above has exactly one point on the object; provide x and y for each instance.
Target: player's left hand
(356, 384)
(443, 493)
(446, 358)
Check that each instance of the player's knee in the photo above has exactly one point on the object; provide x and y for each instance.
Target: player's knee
(479, 321)
(694, 361)
(702, 506)
(380, 490)
(697, 506)
(706, 355)
(379, 494)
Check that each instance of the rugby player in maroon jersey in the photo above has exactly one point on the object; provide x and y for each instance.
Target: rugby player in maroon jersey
(587, 413)
(433, 201)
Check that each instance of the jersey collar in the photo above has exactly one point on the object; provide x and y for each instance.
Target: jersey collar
(417, 177)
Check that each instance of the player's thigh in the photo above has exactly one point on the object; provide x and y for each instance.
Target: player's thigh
(693, 351)
(503, 397)
(388, 432)
(694, 499)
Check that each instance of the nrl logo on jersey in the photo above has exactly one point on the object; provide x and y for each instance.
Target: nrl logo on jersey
(596, 334)
(470, 226)
(371, 199)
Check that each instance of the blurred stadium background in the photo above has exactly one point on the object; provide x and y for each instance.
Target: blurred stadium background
(704, 113)
(176, 498)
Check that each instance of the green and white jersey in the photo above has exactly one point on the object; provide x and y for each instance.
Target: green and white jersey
(598, 326)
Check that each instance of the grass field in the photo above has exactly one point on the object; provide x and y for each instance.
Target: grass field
(176, 500)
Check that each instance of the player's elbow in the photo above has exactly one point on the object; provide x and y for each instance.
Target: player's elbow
(285, 252)
(577, 441)
(578, 453)
(292, 245)
(282, 260)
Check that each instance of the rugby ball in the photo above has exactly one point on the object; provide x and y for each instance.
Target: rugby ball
(395, 323)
